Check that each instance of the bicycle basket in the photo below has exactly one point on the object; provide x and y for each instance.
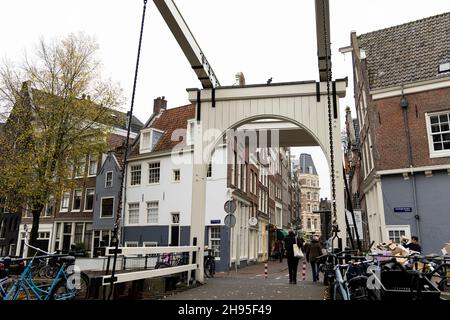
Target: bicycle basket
(397, 284)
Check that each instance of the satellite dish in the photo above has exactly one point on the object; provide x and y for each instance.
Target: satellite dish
(253, 221)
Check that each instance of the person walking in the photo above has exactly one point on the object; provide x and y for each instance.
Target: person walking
(313, 251)
(289, 242)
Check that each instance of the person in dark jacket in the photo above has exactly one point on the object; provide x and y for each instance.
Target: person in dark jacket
(414, 244)
(314, 250)
(292, 261)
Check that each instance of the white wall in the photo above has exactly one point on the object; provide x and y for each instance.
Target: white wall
(177, 196)
(172, 196)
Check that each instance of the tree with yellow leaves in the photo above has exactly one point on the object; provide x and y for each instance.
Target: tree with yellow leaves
(57, 109)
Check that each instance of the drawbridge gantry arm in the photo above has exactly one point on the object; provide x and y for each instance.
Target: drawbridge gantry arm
(187, 42)
(323, 38)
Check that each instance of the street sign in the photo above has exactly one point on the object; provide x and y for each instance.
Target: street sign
(403, 209)
(230, 221)
(215, 221)
(230, 206)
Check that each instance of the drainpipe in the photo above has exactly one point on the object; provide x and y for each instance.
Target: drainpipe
(404, 104)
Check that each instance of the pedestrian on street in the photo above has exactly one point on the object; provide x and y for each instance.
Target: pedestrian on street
(289, 242)
(313, 251)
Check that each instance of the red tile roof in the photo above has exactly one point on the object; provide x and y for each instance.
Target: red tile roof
(169, 121)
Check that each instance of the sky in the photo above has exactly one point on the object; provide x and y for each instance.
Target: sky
(261, 38)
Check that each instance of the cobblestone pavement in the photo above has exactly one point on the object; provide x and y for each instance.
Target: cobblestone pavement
(249, 283)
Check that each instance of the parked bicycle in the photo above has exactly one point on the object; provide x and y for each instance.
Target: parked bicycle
(68, 283)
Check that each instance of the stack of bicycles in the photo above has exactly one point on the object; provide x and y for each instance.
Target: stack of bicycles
(47, 277)
(380, 277)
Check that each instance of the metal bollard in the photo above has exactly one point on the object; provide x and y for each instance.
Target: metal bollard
(304, 271)
(265, 270)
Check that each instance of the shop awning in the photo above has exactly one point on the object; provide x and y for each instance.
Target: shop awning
(281, 234)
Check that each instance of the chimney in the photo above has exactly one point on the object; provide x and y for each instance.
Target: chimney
(159, 105)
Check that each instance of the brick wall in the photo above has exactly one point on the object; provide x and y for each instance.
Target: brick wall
(391, 144)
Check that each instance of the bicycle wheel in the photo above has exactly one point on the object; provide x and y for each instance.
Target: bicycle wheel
(68, 289)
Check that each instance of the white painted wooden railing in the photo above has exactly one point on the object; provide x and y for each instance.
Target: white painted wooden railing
(146, 274)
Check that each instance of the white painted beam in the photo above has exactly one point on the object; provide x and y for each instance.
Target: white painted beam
(187, 42)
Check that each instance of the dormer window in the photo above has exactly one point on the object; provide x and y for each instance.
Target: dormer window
(149, 139)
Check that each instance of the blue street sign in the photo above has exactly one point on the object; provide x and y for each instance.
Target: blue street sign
(404, 209)
(215, 221)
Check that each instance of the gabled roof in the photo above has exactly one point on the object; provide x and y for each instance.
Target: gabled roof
(407, 53)
(306, 161)
(168, 121)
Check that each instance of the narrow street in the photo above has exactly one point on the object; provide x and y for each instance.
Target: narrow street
(250, 284)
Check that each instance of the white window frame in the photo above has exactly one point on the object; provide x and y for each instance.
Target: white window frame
(61, 209)
(101, 208)
(406, 228)
(89, 166)
(148, 171)
(149, 244)
(85, 200)
(138, 215)
(83, 170)
(217, 258)
(132, 244)
(147, 213)
(174, 175)
(106, 179)
(149, 148)
(131, 174)
(435, 154)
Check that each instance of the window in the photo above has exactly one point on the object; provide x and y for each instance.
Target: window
(214, 240)
(92, 166)
(444, 67)
(209, 172)
(80, 168)
(152, 212)
(109, 179)
(65, 201)
(153, 172)
(78, 232)
(49, 207)
(145, 141)
(133, 213)
(316, 196)
(149, 139)
(315, 224)
(438, 125)
(135, 175)
(308, 207)
(176, 175)
(107, 208)
(176, 218)
(150, 244)
(308, 225)
(76, 206)
(89, 199)
(395, 233)
(308, 196)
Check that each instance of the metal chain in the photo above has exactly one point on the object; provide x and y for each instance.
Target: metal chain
(330, 118)
(116, 230)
